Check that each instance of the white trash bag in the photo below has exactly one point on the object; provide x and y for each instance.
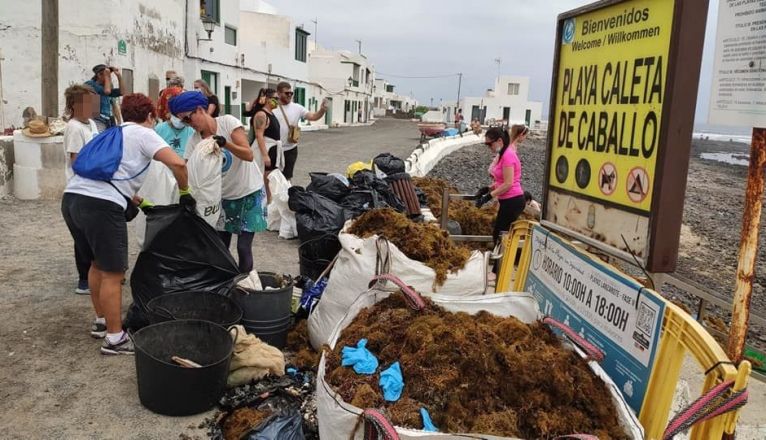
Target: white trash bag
(204, 167)
(159, 187)
(338, 419)
(280, 217)
(362, 258)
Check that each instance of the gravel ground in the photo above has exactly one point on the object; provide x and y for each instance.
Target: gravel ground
(712, 215)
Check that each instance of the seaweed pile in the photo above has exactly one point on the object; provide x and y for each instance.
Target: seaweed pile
(473, 220)
(422, 242)
(480, 373)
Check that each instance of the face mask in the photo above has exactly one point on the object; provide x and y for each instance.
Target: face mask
(177, 123)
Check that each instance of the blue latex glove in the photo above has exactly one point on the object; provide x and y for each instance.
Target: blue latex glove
(392, 382)
(363, 361)
(428, 425)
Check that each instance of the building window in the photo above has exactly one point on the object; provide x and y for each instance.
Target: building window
(300, 96)
(211, 78)
(301, 44)
(389, 88)
(513, 88)
(210, 9)
(126, 85)
(230, 35)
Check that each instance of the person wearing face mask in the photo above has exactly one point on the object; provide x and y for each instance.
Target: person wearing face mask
(266, 129)
(242, 184)
(506, 173)
(175, 133)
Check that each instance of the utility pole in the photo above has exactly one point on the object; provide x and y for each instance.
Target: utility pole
(49, 78)
(316, 24)
(459, 83)
(360, 46)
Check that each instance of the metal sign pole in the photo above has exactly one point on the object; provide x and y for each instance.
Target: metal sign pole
(748, 247)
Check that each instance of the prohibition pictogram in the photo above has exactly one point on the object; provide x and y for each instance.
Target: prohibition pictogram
(607, 178)
(637, 184)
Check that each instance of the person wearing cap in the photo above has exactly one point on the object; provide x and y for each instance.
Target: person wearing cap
(95, 213)
(102, 84)
(242, 183)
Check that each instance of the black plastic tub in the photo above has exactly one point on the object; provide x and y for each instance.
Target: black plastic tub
(195, 305)
(267, 313)
(316, 254)
(165, 387)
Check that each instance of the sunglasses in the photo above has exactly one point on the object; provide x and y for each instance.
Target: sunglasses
(289, 93)
(489, 143)
(186, 119)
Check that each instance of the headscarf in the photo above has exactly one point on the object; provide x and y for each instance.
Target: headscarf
(187, 101)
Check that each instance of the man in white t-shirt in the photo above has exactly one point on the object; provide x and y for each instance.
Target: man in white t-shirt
(289, 115)
(82, 104)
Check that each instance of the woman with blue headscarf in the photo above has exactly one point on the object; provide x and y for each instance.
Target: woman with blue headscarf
(242, 182)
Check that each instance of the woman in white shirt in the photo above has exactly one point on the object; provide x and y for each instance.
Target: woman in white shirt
(242, 193)
(82, 104)
(95, 213)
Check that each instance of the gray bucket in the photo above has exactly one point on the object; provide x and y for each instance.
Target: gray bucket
(267, 313)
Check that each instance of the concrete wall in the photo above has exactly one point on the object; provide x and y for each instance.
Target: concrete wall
(89, 34)
(6, 165)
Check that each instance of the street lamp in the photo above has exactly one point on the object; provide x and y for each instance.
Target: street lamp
(350, 81)
(209, 25)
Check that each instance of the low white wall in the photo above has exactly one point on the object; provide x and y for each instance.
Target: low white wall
(427, 155)
(39, 169)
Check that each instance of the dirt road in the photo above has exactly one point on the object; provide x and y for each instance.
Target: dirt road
(55, 384)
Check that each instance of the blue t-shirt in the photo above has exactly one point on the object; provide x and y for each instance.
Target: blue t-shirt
(106, 105)
(177, 139)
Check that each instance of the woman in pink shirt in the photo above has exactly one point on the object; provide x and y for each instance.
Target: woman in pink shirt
(506, 172)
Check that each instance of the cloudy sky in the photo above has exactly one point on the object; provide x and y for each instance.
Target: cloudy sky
(432, 38)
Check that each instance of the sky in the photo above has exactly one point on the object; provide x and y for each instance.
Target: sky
(435, 38)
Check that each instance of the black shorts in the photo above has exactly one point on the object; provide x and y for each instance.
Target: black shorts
(99, 230)
(291, 156)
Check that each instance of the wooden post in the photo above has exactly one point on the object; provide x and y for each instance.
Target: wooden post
(748, 247)
(49, 78)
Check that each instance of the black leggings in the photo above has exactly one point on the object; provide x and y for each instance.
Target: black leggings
(510, 210)
(244, 248)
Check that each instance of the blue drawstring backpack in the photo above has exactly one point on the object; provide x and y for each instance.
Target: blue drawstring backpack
(100, 158)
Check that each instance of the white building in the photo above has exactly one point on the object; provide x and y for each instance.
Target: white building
(348, 81)
(507, 101)
(250, 47)
(385, 99)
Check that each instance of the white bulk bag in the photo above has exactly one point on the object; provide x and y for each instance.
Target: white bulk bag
(362, 258)
(280, 217)
(160, 188)
(204, 167)
(338, 419)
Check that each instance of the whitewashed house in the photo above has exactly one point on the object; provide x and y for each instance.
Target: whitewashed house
(249, 46)
(385, 99)
(507, 101)
(348, 79)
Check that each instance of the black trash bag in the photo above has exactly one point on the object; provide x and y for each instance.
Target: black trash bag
(388, 163)
(422, 197)
(287, 426)
(367, 180)
(328, 186)
(181, 253)
(315, 215)
(360, 201)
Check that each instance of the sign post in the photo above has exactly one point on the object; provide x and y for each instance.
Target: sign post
(739, 99)
(622, 110)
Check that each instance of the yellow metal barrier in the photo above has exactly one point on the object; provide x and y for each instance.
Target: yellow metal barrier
(681, 334)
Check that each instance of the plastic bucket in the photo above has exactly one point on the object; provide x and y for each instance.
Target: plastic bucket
(195, 305)
(267, 313)
(167, 388)
(316, 254)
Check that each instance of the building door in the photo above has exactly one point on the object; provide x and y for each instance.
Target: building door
(346, 111)
(506, 114)
(211, 78)
(528, 117)
(328, 114)
(475, 112)
(227, 100)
